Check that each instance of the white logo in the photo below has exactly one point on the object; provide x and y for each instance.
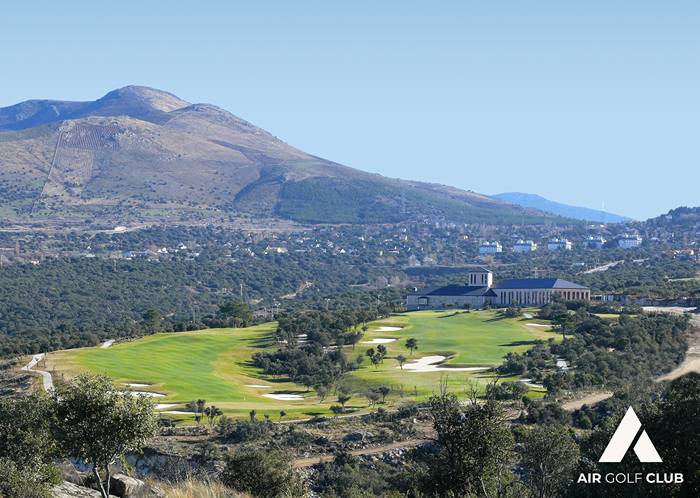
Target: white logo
(623, 438)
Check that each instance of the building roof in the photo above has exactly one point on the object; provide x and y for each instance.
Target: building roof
(537, 283)
(457, 290)
(478, 269)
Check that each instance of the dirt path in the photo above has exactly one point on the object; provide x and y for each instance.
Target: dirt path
(692, 357)
(589, 399)
(308, 462)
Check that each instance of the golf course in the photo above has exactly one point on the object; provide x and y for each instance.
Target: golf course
(214, 364)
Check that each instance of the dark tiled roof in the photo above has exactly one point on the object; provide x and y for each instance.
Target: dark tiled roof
(455, 290)
(537, 283)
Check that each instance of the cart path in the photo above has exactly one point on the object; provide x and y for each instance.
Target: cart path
(46, 377)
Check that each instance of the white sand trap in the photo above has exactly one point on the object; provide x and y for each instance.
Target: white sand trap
(258, 386)
(165, 406)
(379, 340)
(388, 329)
(145, 393)
(430, 364)
(538, 325)
(177, 412)
(285, 397)
(107, 344)
(528, 316)
(137, 385)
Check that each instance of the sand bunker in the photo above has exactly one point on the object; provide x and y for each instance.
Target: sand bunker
(285, 397)
(145, 393)
(430, 364)
(177, 412)
(388, 329)
(165, 406)
(538, 325)
(258, 386)
(137, 385)
(380, 340)
(107, 344)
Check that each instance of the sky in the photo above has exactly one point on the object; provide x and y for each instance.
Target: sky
(589, 102)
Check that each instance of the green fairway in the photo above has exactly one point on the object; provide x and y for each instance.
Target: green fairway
(215, 364)
(467, 340)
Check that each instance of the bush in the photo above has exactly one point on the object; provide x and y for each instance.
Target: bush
(240, 431)
(264, 474)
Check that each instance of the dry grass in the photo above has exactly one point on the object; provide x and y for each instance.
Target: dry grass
(193, 488)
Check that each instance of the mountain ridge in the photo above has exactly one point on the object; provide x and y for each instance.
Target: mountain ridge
(566, 210)
(138, 153)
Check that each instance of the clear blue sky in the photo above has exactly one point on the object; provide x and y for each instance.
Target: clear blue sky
(583, 102)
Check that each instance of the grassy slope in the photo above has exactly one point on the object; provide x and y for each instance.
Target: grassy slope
(214, 364)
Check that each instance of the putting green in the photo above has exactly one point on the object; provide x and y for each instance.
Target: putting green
(215, 364)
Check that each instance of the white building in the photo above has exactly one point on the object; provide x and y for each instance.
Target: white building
(559, 245)
(479, 291)
(490, 248)
(628, 241)
(595, 242)
(524, 246)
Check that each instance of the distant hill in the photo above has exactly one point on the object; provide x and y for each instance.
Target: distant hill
(576, 212)
(141, 154)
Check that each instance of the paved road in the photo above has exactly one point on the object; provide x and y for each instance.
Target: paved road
(47, 379)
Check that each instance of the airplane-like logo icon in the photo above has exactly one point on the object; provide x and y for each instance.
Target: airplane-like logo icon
(623, 438)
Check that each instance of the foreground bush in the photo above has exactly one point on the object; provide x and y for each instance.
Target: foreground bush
(263, 474)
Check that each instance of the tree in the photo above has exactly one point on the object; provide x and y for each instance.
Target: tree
(237, 311)
(27, 447)
(381, 350)
(384, 392)
(212, 412)
(549, 456)
(322, 392)
(372, 397)
(474, 455)
(152, 319)
(401, 359)
(282, 414)
(99, 424)
(412, 345)
(201, 403)
(262, 473)
(344, 395)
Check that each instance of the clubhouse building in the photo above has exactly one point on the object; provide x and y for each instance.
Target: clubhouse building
(480, 291)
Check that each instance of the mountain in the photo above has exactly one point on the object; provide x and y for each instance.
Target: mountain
(140, 154)
(576, 212)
